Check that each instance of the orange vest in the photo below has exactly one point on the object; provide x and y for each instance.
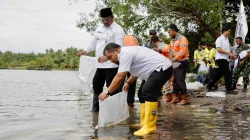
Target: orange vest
(130, 40)
(166, 51)
(179, 48)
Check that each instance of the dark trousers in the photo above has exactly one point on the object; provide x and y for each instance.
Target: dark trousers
(131, 91)
(102, 76)
(150, 90)
(179, 84)
(231, 70)
(222, 70)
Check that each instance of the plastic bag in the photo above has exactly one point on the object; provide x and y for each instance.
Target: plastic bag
(87, 70)
(194, 85)
(113, 110)
(203, 69)
(216, 94)
(243, 54)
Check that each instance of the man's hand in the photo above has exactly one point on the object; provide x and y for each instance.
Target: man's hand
(81, 53)
(125, 87)
(230, 54)
(173, 60)
(103, 96)
(102, 59)
(241, 63)
(156, 49)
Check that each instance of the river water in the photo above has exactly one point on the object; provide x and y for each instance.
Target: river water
(50, 105)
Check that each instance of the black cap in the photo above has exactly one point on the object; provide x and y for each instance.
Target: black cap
(152, 32)
(154, 39)
(105, 12)
(174, 27)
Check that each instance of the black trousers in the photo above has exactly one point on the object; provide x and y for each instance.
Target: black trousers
(102, 76)
(131, 91)
(150, 90)
(222, 70)
(179, 84)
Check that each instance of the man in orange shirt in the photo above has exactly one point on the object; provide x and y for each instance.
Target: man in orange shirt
(180, 56)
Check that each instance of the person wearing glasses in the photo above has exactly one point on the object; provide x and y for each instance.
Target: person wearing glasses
(108, 32)
(222, 59)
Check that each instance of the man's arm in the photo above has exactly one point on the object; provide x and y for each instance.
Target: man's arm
(91, 47)
(245, 59)
(116, 82)
(131, 79)
(183, 49)
(119, 37)
(220, 50)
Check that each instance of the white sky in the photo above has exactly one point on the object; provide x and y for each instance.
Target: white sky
(36, 25)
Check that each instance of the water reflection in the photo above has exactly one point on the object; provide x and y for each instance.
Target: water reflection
(51, 105)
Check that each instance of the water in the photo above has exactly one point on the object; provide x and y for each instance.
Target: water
(49, 105)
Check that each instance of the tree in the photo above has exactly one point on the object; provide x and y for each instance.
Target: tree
(137, 16)
(232, 9)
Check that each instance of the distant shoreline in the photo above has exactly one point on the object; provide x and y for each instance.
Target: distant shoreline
(54, 69)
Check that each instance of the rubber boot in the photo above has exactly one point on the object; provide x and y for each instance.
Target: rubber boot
(151, 116)
(142, 116)
(175, 99)
(169, 97)
(184, 99)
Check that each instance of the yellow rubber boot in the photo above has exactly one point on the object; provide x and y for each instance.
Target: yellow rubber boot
(142, 116)
(151, 116)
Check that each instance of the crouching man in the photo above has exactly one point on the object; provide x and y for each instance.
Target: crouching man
(147, 65)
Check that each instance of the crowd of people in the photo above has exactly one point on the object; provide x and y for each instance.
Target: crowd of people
(122, 61)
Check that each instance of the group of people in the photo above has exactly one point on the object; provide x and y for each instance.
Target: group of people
(155, 64)
(223, 61)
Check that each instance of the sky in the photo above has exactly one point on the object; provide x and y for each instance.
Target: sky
(36, 25)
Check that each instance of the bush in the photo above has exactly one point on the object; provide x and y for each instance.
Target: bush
(191, 77)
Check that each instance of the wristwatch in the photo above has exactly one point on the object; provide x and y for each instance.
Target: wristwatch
(107, 93)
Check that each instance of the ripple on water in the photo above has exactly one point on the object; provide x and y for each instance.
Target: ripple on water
(51, 105)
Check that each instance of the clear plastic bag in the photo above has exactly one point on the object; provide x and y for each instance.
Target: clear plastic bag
(216, 94)
(194, 85)
(203, 69)
(87, 70)
(113, 110)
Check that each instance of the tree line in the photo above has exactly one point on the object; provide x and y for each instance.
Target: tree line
(49, 60)
(198, 20)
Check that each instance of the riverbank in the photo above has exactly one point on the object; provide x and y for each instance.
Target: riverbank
(238, 103)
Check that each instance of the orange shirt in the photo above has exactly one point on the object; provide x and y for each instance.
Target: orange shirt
(130, 40)
(179, 47)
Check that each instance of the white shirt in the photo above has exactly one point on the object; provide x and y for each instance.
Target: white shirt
(141, 61)
(223, 43)
(103, 36)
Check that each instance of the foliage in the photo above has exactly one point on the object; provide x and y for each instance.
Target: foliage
(191, 77)
(198, 20)
(59, 59)
(137, 16)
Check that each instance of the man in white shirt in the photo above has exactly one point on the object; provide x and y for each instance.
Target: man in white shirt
(109, 32)
(222, 60)
(147, 65)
